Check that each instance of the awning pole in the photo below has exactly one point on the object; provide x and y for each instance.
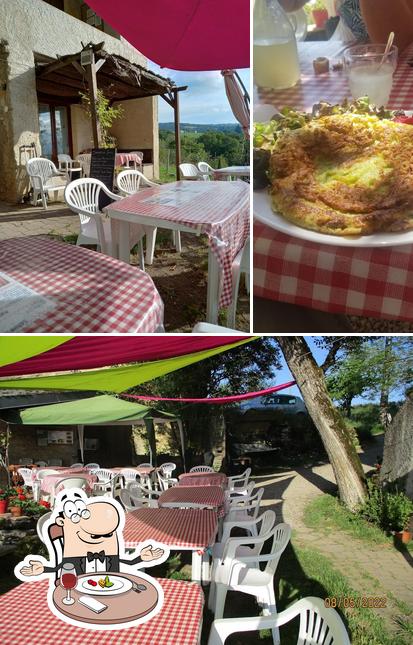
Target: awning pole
(182, 436)
(81, 436)
(150, 429)
(177, 134)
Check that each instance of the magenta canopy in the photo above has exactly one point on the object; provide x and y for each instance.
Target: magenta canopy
(88, 352)
(217, 399)
(188, 35)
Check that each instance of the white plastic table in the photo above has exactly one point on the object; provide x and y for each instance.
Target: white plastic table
(232, 171)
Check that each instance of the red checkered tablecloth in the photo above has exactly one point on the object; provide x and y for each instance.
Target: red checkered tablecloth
(49, 481)
(376, 282)
(91, 291)
(218, 209)
(333, 86)
(36, 624)
(212, 496)
(203, 479)
(183, 528)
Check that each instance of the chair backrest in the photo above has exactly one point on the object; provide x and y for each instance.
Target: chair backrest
(189, 171)
(104, 474)
(167, 468)
(70, 482)
(129, 501)
(201, 469)
(129, 474)
(78, 465)
(38, 167)
(281, 536)
(27, 475)
(62, 158)
(45, 471)
(92, 466)
(205, 169)
(318, 624)
(40, 522)
(41, 464)
(130, 181)
(26, 461)
(146, 464)
(55, 462)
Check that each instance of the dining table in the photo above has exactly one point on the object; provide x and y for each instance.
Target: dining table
(49, 482)
(40, 625)
(194, 497)
(183, 529)
(358, 277)
(48, 286)
(231, 171)
(203, 479)
(220, 210)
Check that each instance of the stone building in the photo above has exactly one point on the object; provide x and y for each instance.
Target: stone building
(34, 32)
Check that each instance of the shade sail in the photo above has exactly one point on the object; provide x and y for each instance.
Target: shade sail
(63, 353)
(95, 410)
(189, 35)
(115, 379)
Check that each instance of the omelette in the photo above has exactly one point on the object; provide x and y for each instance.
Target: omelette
(345, 174)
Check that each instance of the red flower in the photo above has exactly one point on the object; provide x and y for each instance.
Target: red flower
(22, 497)
(44, 503)
(19, 490)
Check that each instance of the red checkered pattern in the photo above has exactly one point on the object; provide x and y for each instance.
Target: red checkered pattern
(203, 479)
(212, 496)
(93, 292)
(333, 86)
(50, 481)
(184, 528)
(218, 209)
(124, 158)
(375, 282)
(38, 625)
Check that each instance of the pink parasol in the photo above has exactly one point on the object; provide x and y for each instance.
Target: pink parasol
(238, 100)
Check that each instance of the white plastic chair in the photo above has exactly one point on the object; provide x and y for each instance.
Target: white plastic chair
(129, 474)
(110, 487)
(189, 172)
(238, 482)
(45, 471)
(241, 491)
(167, 468)
(132, 502)
(208, 328)
(68, 165)
(244, 509)
(240, 264)
(69, 482)
(41, 174)
(139, 491)
(40, 522)
(201, 469)
(130, 182)
(166, 482)
(206, 170)
(27, 475)
(104, 474)
(41, 464)
(82, 197)
(92, 466)
(319, 625)
(26, 461)
(79, 465)
(242, 573)
(55, 462)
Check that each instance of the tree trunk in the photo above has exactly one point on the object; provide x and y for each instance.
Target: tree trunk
(384, 390)
(328, 421)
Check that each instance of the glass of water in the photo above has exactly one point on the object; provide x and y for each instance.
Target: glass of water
(370, 72)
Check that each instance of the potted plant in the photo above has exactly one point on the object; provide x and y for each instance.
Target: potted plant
(399, 509)
(17, 502)
(320, 14)
(4, 499)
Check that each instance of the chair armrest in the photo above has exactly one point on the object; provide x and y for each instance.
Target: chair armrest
(228, 526)
(223, 627)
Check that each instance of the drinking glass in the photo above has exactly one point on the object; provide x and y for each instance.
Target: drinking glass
(68, 580)
(370, 72)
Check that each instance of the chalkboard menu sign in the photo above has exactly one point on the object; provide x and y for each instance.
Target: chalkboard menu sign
(102, 166)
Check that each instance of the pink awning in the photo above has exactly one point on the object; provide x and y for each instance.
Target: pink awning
(189, 35)
(88, 352)
(237, 100)
(217, 399)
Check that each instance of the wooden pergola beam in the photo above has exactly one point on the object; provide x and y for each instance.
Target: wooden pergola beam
(173, 102)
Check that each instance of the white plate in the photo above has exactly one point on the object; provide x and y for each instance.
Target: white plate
(120, 585)
(263, 213)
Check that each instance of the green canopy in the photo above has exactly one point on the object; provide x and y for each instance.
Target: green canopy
(18, 348)
(104, 409)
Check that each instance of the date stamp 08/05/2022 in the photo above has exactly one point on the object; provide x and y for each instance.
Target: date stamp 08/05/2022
(370, 602)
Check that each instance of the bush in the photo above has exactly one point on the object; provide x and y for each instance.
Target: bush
(388, 510)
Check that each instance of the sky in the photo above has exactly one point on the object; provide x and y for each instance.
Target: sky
(204, 101)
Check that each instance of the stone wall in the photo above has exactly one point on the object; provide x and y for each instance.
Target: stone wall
(30, 27)
(397, 466)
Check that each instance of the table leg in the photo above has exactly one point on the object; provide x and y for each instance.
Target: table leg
(150, 233)
(196, 566)
(205, 568)
(124, 243)
(212, 288)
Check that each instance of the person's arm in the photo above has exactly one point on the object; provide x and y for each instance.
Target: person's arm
(382, 17)
(292, 5)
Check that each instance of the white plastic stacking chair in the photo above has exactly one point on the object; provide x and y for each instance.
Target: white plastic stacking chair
(239, 482)
(244, 491)
(92, 466)
(319, 625)
(27, 475)
(132, 502)
(130, 182)
(167, 468)
(55, 462)
(240, 264)
(244, 509)
(110, 487)
(45, 471)
(242, 573)
(129, 474)
(82, 197)
(208, 328)
(78, 465)
(166, 482)
(189, 172)
(68, 482)
(41, 174)
(40, 523)
(85, 160)
(206, 170)
(136, 489)
(201, 469)
(69, 166)
(41, 464)
(104, 474)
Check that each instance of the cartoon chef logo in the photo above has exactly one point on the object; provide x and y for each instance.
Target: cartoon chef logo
(93, 583)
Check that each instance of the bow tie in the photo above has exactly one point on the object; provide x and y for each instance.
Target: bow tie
(96, 556)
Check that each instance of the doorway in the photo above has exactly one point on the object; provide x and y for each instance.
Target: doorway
(55, 131)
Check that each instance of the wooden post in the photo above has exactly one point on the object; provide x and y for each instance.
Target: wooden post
(93, 92)
(177, 134)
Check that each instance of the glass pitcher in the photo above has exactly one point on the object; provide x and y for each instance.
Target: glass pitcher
(275, 48)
